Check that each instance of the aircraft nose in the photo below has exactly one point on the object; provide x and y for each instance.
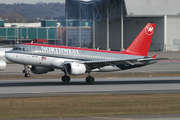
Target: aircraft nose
(8, 56)
(13, 57)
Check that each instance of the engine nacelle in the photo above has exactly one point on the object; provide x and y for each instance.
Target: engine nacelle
(75, 68)
(2, 54)
(2, 64)
(40, 70)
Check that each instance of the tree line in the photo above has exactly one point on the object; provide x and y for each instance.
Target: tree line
(27, 13)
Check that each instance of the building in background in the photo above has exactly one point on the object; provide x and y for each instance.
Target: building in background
(115, 23)
(72, 30)
(51, 30)
(16, 33)
(103, 24)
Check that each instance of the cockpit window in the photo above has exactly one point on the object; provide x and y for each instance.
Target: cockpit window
(19, 48)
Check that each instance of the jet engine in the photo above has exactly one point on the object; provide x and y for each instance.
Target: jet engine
(2, 64)
(75, 68)
(3, 60)
(40, 70)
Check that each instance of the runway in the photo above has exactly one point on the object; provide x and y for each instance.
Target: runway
(23, 87)
(111, 85)
(78, 86)
(135, 117)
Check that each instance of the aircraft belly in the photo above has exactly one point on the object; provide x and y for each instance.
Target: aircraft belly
(106, 69)
(58, 63)
(53, 62)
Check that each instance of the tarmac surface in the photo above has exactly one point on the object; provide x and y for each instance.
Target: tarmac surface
(135, 117)
(53, 87)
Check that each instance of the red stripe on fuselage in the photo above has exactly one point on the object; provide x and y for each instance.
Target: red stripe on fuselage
(75, 48)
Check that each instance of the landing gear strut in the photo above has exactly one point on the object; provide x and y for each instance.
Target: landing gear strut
(27, 70)
(90, 79)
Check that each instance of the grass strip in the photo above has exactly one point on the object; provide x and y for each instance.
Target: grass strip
(91, 105)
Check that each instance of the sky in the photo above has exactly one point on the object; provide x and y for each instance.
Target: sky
(30, 1)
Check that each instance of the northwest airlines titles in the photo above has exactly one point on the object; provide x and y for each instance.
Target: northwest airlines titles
(58, 50)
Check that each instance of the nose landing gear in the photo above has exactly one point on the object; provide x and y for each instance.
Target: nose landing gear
(26, 70)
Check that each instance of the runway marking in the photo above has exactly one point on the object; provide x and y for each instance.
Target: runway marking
(147, 72)
(112, 77)
(108, 118)
(170, 60)
(78, 93)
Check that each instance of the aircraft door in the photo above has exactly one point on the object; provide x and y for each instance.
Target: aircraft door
(35, 59)
(34, 51)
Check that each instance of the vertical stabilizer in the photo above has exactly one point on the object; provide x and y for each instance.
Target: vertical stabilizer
(141, 44)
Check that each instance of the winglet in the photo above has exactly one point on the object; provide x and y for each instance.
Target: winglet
(140, 45)
(154, 57)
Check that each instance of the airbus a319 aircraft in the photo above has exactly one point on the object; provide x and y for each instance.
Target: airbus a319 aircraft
(43, 58)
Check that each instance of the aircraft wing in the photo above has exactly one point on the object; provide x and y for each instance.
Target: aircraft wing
(101, 63)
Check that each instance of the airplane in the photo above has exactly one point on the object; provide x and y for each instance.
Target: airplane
(3, 60)
(44, 58)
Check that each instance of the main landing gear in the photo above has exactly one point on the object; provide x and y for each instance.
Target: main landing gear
(26, 70)
(66, 79)
(90, 79)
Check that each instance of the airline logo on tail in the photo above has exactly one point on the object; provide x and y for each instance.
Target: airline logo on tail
(149, 30)
(140, 46)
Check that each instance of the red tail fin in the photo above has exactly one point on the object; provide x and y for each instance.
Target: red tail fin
(141, 44)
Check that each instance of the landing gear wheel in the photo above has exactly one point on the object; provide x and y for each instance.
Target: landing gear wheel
(66, 79)
(90, 79)
(27, 70)
(27, 75)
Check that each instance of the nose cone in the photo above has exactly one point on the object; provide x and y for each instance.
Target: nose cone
(8, 56)
(13, 57)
